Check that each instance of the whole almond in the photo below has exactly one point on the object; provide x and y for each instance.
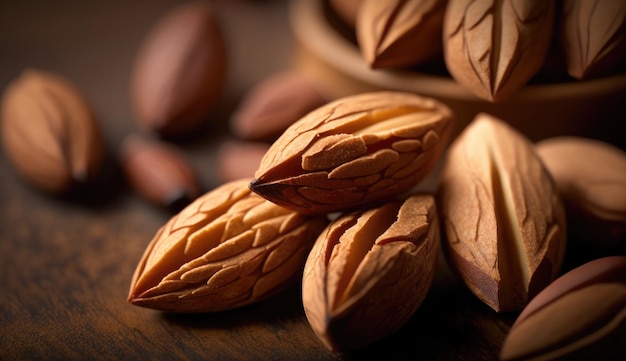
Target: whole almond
(370, 270)
(179, 71)
(592, 35)
(159, 172)
(494, 47)
(227, 249)
(581, 315)
(504, 220)
(354, 151)
(274, 104)
(400, 33)
(591, 178)
(49, 132)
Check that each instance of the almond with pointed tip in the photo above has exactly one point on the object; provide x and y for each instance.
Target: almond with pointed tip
(581, 316)
(400, 33)
(159, 172)
(370, 270)
(179, 71)
(354, 151)
(49, 132)
(227, 249)
(502, 213)
(592, 35)
(494, 47)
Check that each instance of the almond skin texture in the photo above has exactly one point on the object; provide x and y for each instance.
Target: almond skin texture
(179, 71)
(494, 47)
(49, 132)
(227, 249)
(354, 151)
(274, 104)
(398, 33)
(591, 177)
(503, 217)
(592, 35)
(581, 316)
(370, 270)
(159, 172)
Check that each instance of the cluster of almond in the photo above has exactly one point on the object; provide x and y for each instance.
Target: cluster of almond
(493, 48)
(53, 138)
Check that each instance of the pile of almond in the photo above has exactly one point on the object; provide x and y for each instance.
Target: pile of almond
(333, 200)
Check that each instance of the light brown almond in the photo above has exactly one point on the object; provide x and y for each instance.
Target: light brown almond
(179, 71)
(160, 172)
(398, 33)
(227, 249)
(49, 132)
(354, 151)
(592, 35)
(581, 315)
(370, 270)
(493, 47)
(504, 220)
(591, 177)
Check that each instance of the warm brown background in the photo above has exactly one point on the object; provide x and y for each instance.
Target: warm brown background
(66, 262)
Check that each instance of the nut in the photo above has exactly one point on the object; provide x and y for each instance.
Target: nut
(592, 35)
(370, 270)
(494, 47)
(354, 151)
(227, 249)
(159, 172)
(179, 71)
(400, 33)
(581, 315)
(49, 132)
(590, 177)
(274, 104)
(503, 217)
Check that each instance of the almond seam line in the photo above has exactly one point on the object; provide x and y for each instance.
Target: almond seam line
(512, 265)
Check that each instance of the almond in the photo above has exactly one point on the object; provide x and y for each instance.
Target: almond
(274, 104)
(370, 270)
(227, 249)
(495, 47)
(581, 315)
(179, 71)
(354, 151)
(592, 35)
(503, 217)
(400, 33)
(159, 172)
(591, 178)
(49, 132)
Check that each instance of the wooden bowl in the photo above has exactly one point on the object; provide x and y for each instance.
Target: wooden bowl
(328, 53)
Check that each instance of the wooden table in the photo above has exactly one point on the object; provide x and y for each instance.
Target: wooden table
(66, 262)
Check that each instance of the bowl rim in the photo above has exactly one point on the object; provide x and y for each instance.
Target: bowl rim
(311, 30)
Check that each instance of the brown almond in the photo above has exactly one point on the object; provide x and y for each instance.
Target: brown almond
(159, 172)
(227, 249)
(581, 315)
(592, 36)
(370, 270)
(354, 151)
(398, 33)
(274, 104)
(503, 217)
(49, 132)
(179, 71)
(591, 178)
(493, 47)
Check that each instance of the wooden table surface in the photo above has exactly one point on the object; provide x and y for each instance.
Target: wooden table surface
(66, 262)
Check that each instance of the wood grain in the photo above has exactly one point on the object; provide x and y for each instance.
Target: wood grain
(66, 262)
